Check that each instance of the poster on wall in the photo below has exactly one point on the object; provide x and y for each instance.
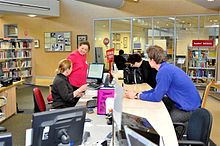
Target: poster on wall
(57, 41)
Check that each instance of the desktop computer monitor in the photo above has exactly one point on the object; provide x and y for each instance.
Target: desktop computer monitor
(58, 127)
(96, 71)
(5, 139)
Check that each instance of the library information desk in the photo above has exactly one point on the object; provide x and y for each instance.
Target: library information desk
(155, 112)
(8, 100)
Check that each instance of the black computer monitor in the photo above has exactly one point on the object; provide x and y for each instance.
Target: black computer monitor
(96, 71)
(5, 139)
(60, 126)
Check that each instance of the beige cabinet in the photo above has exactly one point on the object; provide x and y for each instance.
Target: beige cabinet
(9, 108)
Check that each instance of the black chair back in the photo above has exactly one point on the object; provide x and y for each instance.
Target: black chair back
(199, 127)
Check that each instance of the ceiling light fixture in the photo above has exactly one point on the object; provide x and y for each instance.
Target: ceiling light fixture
(31, 15)
(210, 0)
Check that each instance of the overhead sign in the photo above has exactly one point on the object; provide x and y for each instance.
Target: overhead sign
(207, 43)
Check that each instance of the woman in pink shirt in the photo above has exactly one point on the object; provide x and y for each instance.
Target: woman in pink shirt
(78, 75)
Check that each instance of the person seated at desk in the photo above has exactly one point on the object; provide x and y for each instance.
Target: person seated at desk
(120, 60)
(182, 96)
(62, 91)
(148, 73)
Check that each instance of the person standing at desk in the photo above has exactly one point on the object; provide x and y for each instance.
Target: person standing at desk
(148, 73)
(78, 75)
(182, 96)
(120, 60)
(62, 92)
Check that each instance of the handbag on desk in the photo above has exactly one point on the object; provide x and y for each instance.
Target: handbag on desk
(132, 75)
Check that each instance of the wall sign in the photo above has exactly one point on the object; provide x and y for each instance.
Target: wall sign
(202, 43)
(106, 41)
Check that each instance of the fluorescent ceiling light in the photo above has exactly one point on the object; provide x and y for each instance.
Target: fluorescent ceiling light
(210, 0)
(171, 18)
(31, 15)
(212, 26)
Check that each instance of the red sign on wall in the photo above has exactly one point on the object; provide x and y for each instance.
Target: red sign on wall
(106, 41)
(208, 43)
(110, 55)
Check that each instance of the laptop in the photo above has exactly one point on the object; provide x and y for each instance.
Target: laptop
(136, 139)
(139, 126)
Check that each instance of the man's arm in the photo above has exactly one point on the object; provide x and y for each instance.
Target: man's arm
(163, 82)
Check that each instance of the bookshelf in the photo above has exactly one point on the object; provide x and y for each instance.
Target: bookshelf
(16, 57)
(202, 63)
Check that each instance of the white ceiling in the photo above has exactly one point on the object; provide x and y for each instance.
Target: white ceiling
(208, 4)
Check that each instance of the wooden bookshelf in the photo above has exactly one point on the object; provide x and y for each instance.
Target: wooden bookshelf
(16, 57)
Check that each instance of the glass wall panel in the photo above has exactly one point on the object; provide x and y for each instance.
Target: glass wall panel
(101, 31)
(164, 35)
(186, 30)
(209, 28)
(140, 33)
(121, 35)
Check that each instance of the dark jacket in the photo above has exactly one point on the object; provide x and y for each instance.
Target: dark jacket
(148, 73)
(62, 92)
(120, 62)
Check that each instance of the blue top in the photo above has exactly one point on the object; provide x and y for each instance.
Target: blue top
(174, 82)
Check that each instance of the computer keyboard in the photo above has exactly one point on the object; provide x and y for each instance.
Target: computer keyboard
(93, 85)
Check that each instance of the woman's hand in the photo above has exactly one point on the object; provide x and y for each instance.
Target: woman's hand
(80, 91)
(83, 88)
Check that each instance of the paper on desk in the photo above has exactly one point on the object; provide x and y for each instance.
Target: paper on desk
(91, 92)
(109, 103)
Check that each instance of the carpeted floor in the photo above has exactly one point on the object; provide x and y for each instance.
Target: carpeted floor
(18, 123)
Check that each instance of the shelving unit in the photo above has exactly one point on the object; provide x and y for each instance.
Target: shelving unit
(202, 63)
(8, 108)
(16, 57)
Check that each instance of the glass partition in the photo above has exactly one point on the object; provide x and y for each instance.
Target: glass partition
(209, 28)
(186, 31)
(142, 34)
(174, 34)
(164, 35)
(121, 35)
(101, 31)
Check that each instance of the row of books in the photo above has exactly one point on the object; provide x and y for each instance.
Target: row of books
(202, 63)
(13, 44)
(202, 73)
(202, 54)
(18, 73)
(16, 64)
(15, 54)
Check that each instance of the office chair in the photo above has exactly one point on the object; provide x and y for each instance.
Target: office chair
(199, 128)
(213, 84)
(39, 104)
(49, 97)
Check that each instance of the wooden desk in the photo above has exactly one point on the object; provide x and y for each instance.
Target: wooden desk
(10, 93)
(155, 112)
